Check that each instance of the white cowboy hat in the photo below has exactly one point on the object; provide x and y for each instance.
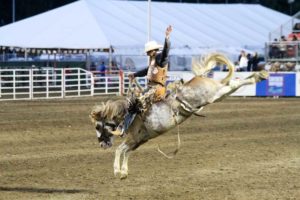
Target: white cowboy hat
(149, 46)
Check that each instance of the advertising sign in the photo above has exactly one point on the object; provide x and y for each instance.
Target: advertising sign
(278, 84)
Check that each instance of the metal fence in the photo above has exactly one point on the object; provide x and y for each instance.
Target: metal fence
(46, 83)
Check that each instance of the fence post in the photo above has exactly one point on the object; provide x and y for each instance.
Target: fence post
(63, 84)
(14, 84)
(79, 80)
(106, 84)
(121, 83)
(31, 83)
(47, 83)
(92, 83)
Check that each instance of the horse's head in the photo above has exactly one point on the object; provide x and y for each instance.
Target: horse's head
(103, 131)
(106, 118)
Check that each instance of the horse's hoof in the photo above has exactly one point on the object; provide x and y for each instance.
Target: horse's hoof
(123, 176)
(117, 173)
(264, 74)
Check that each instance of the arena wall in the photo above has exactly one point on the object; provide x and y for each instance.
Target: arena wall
(285, 84)
(29, 84)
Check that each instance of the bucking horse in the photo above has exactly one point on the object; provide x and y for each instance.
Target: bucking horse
(185, 99)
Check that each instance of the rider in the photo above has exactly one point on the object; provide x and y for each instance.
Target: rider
(156, 74)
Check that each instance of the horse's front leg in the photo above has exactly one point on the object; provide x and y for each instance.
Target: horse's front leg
(120, 150)
(124, 169)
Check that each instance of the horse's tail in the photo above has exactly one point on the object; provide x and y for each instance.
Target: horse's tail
(208, 62)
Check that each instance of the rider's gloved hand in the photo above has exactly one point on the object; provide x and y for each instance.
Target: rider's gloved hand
(131, 77)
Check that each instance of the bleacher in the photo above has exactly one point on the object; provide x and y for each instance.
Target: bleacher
(283, 49)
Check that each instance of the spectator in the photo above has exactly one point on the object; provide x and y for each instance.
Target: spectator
(243, 61)
(292, 46)
(294, 37)
(296, 28)
(274, 50)
(93, 67)
(102, 69)
(114, 66)
(282, 47)
(249, 64)
(255, 61)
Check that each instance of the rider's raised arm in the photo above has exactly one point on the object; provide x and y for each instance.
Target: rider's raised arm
(163, 57)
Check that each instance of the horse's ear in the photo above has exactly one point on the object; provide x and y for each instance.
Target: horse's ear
(93, 117)
(97, 112)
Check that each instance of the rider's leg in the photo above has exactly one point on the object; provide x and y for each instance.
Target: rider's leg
(132, 110)
(138, 105)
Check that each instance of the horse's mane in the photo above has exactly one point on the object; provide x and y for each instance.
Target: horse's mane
(111, 110)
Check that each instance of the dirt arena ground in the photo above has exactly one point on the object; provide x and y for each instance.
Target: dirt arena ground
(243, 149)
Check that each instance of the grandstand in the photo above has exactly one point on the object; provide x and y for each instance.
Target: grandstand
(283, 47)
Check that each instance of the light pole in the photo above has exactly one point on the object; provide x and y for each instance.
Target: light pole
(13, 11)
(291, 8)
(149, 20)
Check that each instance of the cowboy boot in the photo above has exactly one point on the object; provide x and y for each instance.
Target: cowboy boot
(146, 100)
(128, 119)
(134, 108)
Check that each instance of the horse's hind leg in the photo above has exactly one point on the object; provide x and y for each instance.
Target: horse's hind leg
(259, 76)
(120, 150)
(234, 85)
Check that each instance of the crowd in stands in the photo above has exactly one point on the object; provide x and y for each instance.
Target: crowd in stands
(286, 47)
(286, 51)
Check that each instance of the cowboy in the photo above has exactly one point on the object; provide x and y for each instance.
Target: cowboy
(156, 74)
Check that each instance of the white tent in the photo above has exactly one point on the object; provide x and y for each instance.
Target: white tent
(72, 26)
(91, 24)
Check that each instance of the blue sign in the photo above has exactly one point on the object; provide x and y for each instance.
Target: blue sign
(277, 85)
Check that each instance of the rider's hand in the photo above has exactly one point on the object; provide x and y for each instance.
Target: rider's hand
(131, 77)
(168, 31)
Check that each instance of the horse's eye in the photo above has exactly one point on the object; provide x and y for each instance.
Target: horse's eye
(110, 125)
(109, 128)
